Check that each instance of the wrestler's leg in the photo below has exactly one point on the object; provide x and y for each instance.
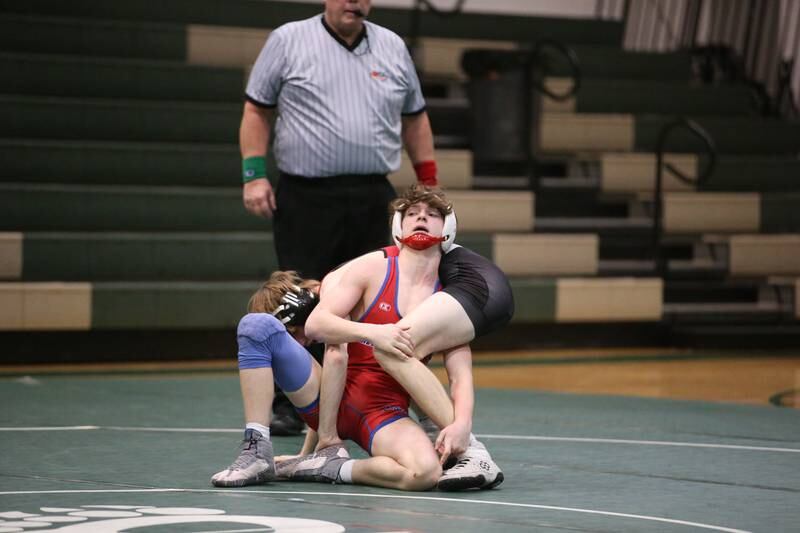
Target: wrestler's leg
(402, 458)
(309, 391)
(478, 300)
(300, 377)
(439, 322)
(258, 391)
(267, 352)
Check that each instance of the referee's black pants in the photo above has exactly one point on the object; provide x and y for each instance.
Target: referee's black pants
(321, 223)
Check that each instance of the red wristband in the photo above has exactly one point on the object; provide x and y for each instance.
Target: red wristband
(426, 173)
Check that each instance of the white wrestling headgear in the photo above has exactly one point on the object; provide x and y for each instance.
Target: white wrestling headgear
(448, 230)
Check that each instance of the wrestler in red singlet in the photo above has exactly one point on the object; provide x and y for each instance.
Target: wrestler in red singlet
(371, 398)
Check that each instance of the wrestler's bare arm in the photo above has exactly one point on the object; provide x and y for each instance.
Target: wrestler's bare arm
(340, 296)
(454, 438)
(334, 372)
(334, 375)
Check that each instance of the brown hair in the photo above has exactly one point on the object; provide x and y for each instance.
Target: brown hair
(268, 297)
(415, 194)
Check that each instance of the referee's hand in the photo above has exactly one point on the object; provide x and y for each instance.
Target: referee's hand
(259, 198)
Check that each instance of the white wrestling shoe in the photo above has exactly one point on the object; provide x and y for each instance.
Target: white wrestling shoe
(255, 464)
(475, 469)
(322, 466)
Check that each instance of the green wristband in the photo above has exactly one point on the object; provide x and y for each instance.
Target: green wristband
(254, 168)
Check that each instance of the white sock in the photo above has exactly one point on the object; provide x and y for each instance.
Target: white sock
(346, 472)
(264, 430)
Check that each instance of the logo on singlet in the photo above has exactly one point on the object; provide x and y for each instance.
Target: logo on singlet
(385, 307)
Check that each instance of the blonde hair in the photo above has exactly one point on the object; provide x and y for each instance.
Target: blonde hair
(267, 298)
(415, 194)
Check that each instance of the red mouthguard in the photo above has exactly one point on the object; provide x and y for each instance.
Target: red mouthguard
(421, 241)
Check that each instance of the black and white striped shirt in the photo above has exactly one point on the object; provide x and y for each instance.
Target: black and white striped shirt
(339, 107)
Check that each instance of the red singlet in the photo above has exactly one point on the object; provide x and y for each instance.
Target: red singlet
(371, 398)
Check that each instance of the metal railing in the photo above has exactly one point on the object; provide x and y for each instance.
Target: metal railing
(535, 79)
(695, 128)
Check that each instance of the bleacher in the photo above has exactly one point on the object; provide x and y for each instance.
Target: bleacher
(120, 206)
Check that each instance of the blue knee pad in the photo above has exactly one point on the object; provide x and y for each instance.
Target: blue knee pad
(265, 343)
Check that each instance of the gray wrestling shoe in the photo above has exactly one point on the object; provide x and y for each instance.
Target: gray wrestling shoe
(322, 466)
(475, 469)
(255, 464)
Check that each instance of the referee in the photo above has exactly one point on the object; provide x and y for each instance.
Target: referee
(344, 98)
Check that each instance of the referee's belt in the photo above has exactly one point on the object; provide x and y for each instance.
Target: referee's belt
(340, 179)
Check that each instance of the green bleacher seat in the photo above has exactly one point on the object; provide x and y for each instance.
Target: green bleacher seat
(36, 34)
(662, 97)
(119, 120)
(88, 77)
(110, 163)
(55, 207)
(731, 135)
(126, 256)
(592, 132)
(780, 212)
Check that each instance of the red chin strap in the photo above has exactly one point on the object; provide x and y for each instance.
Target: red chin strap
(421, 241)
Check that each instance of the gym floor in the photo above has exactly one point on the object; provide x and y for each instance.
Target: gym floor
(595, 440)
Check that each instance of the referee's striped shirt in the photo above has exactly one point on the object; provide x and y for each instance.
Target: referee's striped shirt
(339, 107)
